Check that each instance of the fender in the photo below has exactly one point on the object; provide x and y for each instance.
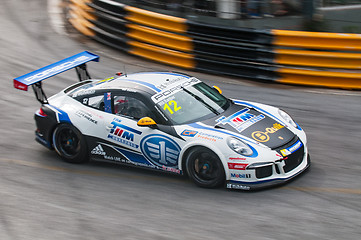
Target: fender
(211, 147)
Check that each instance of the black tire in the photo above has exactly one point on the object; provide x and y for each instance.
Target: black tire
(70, 144)
(205, 168)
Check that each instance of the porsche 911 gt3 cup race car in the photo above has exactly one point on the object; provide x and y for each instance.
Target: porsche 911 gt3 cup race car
(167, 121)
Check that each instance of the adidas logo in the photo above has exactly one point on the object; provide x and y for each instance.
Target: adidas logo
(98, 150)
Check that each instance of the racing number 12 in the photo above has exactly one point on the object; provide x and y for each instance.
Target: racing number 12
(171, 103)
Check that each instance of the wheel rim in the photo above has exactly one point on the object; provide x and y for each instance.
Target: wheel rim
(68, 142)
(206, 167)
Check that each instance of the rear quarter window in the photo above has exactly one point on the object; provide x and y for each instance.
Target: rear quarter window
(75, 86)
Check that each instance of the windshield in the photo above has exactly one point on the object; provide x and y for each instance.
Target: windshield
(193, 103)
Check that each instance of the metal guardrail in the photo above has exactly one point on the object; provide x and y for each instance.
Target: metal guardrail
(318, 59)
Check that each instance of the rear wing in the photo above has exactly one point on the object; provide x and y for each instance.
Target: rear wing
(34, 79)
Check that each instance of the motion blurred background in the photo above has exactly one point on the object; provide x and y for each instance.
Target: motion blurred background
(312, 15)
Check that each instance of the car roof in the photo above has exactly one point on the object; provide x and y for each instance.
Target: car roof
(151, 82)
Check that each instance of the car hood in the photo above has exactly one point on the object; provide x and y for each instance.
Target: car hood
(254, 124)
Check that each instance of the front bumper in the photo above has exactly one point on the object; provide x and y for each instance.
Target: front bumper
(266, 183)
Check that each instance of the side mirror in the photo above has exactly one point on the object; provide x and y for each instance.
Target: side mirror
(147, 122)
(218, 89)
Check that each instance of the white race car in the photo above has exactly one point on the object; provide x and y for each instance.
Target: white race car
(170, 122)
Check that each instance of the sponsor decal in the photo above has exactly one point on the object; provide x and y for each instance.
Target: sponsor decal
(116, 159)
(237, 158)
(285, 152)
(263, 136)
(167, 92)
(20, 85)
(209, 137)
(60, 67)
(94, 113)
(98, 150)
(170, 169)
(105, 80)
(260, 136)
(123, 134)
(169, 82)
(241, 119)
(144, 165)
(240, 175)
(293, 148)
(86, 115)
(237, 166)
(160, 150)
(205, 136)
(238, 186)
(189, 133)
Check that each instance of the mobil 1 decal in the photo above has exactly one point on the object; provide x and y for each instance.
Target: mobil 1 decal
(160, 150)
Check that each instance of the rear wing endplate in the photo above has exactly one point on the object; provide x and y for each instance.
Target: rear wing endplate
(34, 79)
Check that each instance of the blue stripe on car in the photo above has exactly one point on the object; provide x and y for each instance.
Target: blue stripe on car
(149, 85)
(198, 126)
(61, 115)
(134, 157)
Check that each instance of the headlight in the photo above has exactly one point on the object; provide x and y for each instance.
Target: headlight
(287, 118)
(239, 147)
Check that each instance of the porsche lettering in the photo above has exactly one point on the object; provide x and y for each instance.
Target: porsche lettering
(175, 89)
(55, 69)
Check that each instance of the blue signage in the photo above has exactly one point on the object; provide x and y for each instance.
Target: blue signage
(160, 150)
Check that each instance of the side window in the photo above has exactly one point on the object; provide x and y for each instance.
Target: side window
(94, 101)
(130, 107)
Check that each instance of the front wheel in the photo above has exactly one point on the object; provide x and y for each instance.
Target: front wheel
(70, 144)
(205, 168)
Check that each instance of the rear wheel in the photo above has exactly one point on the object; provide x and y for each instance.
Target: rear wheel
(70, 144)
(205, 168)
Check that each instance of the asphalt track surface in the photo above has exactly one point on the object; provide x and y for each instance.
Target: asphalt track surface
(42, 197)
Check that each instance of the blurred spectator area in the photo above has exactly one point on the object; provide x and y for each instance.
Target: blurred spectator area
(329, 15)
(227, 9)
(341, 15)
(328, 3)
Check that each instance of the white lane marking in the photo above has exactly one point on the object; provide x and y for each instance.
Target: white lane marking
(334, 92)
